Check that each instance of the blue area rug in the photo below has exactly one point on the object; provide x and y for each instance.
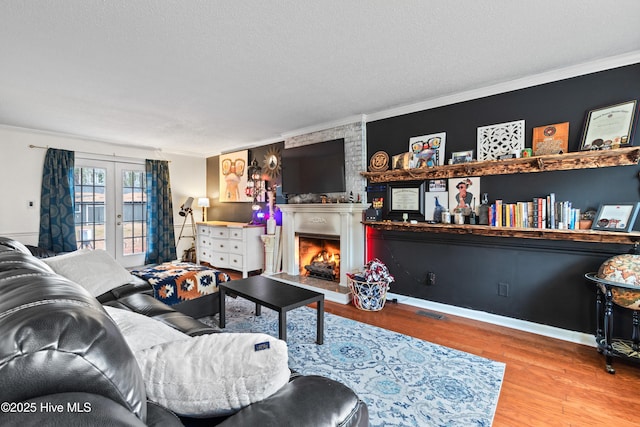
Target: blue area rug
(403, 380)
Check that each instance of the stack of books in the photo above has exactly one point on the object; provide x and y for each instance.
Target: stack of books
(541, 212)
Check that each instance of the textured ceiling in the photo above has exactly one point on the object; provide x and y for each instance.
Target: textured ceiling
(204, 77)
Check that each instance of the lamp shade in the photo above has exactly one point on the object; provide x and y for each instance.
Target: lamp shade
(203, 202)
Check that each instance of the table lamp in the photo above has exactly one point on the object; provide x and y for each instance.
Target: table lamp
(203, 202)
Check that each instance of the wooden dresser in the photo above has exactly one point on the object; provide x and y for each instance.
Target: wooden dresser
(232, 245)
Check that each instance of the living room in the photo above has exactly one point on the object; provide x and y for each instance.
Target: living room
(556, 302)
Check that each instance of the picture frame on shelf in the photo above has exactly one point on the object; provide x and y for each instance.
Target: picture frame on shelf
(438, 185)
(406, 198)
(609, 127)
(616, 217)
(401, 161)
(430, 204)
(428, 150)
(550, 139)
(470, 195)
(462, 157)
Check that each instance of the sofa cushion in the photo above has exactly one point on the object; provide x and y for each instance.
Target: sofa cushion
(214, 375)
(95, 270)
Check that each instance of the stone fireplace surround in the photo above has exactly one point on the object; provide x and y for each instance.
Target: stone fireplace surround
(341, 220)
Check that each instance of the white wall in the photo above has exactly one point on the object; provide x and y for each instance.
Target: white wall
(21, 175)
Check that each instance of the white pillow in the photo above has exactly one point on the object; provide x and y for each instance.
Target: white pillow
(142, 332)
(95, 270)
(214, 375)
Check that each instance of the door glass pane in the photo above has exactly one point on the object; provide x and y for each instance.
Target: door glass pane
(90, 199)
(134, 212)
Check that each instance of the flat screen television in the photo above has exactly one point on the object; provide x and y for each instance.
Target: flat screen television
(315, 168)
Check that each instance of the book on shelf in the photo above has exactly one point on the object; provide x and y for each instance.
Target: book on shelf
(540, 212)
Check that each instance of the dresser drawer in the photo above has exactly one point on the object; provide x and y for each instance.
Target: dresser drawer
(235, 246)
(218, 245)
(204, 254)
(219, 232)
(235, 261)
(220, 259)
(204, 241)
(203, 230)
(235, 233)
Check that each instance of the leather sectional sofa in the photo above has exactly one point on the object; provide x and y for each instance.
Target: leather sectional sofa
(64, 361)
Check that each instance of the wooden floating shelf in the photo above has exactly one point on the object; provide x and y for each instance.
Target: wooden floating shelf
(626, 156)
(523, 233)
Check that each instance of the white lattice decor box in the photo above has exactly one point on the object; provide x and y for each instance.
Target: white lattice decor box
(500, 139)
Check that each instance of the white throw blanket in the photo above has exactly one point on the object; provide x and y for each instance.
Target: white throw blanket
(212, 375)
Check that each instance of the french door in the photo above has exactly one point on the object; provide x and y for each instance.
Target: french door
(111, 203)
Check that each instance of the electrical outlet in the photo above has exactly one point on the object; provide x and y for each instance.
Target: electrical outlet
(31, 204)
(503, 289)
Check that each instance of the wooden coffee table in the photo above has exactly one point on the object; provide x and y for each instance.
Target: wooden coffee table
(275, 295)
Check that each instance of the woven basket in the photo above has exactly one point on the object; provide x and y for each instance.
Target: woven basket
(368, 296)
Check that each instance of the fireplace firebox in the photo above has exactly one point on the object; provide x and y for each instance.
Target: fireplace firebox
(319, 257)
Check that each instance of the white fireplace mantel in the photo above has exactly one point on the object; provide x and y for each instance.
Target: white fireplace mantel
(324, 219)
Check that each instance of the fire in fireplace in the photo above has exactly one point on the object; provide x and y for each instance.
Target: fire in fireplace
(320, 257)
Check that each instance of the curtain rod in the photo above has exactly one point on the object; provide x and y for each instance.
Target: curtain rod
(123, 159)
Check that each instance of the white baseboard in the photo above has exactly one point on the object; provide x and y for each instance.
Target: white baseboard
(508, 322)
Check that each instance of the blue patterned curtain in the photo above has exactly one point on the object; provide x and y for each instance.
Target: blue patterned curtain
(161, 241)
(57, 207)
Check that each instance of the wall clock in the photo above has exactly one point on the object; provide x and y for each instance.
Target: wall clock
(272, 163)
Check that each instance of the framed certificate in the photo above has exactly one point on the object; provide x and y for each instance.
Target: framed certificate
(609, 127)
(406, 200)
(620, 217)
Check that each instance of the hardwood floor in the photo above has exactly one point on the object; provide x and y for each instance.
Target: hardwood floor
(547, 382)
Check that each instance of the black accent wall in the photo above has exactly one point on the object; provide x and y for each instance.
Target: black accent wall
(234, 211)
(544, 278)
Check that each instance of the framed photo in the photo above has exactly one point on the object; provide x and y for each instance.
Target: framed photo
(464, 193)
(406, 198)
(430, 203)
(438, 184)
(401, 161)
(462, 156)
(550, 139)
(233, 177)
(427, 150)
(609, 127)
(620, 217)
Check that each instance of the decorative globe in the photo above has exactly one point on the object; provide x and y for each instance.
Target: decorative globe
(623, 269)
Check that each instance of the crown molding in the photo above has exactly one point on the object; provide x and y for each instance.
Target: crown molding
(521, 83)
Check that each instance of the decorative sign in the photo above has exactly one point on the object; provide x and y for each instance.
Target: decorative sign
(551, 139)
(379, 162)
(503, 138)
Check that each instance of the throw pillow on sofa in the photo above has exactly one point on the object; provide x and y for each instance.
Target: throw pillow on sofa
(95, 270)
(214, 375)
